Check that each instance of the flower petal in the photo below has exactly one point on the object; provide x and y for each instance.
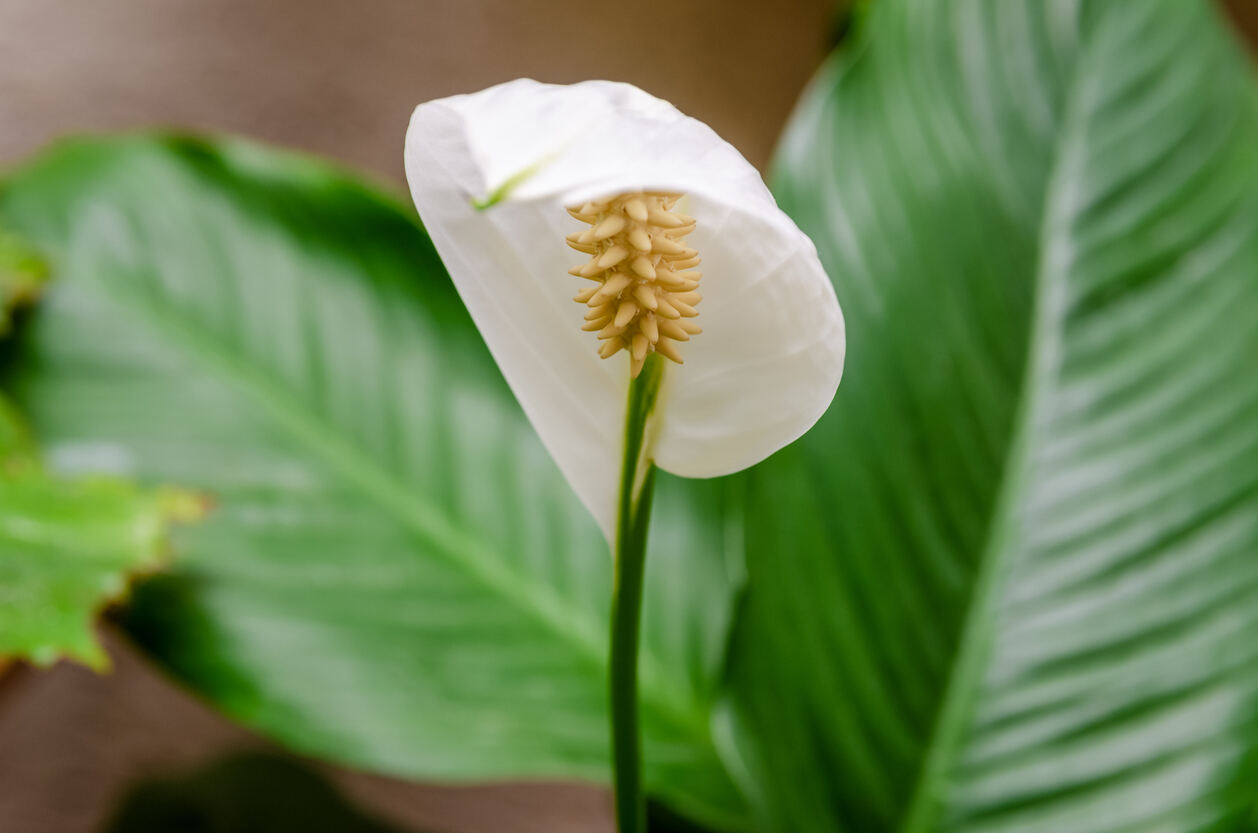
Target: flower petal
(492, 174)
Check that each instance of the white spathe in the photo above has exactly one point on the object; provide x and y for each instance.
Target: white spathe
(770, 356)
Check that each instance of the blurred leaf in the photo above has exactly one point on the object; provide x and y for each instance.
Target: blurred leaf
(395, 574)
(22, 275)
(244, 793)
(16, 446)
(1010, 582)
(68, 549)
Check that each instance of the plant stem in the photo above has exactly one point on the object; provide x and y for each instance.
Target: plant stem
(633, 520)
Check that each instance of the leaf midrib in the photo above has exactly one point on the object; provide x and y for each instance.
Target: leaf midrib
(461, 550)
(976, 631)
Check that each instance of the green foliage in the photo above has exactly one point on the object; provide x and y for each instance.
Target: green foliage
(68, 549)
(22, 275)
(395, 575)
(1010, 583)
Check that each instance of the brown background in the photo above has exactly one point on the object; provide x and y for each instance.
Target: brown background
(340, 79)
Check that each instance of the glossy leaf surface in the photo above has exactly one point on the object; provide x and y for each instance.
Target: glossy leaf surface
(395, 575)
(1010, 582)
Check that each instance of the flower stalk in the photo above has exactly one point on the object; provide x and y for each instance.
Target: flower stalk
(633, 520)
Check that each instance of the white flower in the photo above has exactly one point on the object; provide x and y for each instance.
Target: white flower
(494, 175)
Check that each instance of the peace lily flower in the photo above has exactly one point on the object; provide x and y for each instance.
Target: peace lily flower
(510, 180)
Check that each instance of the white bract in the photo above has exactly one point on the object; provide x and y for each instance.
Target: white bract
(502, 177)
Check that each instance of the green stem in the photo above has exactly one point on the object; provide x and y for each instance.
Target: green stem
(633, 519)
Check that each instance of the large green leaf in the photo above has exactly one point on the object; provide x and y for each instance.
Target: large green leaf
(395, 574)
(1011, 581)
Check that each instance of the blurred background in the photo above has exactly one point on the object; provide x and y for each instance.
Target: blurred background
(129, 751)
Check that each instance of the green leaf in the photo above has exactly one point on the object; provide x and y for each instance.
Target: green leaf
(22, 275)
(69, 549)
(1010, 582)
(396, 575)
(16, 446)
